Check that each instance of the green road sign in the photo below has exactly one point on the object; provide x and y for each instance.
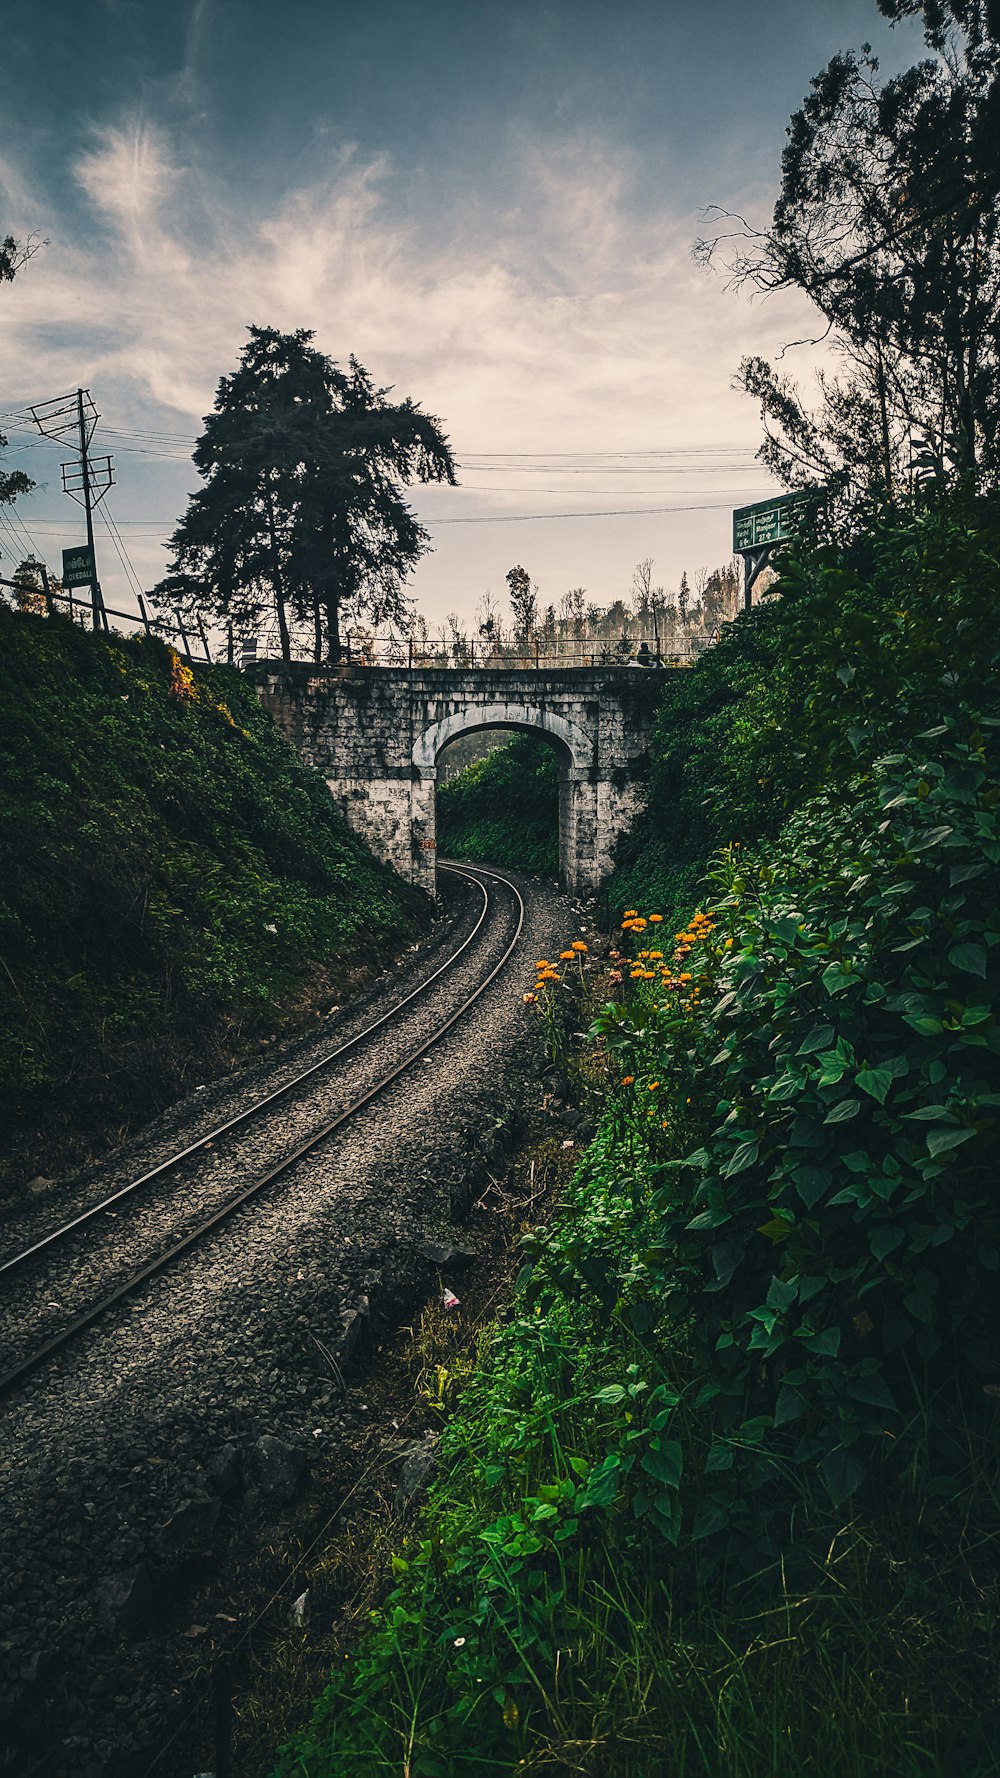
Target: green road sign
(78, 566)
(769, 521)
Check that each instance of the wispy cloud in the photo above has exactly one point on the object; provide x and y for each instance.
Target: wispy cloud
(552, 313)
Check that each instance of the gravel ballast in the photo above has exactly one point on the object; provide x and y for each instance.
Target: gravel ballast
(184, 1426)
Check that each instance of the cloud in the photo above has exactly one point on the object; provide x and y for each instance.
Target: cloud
(553, 312)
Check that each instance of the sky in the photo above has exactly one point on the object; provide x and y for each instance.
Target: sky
(491, 205)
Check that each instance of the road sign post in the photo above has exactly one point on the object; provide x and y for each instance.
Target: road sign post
(78, 566)
(759, 529)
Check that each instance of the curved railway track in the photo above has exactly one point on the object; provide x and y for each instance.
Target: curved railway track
(52, 1264)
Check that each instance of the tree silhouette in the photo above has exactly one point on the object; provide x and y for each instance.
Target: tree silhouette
(302, 513)
(888, 218)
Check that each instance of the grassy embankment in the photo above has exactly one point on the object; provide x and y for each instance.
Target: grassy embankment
(175, 886)
(724, 1496)
(504, 808)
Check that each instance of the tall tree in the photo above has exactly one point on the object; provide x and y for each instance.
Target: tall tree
(302, 513)
(888, 219)
(523, 603)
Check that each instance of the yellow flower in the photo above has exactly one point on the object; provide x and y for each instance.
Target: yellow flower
(656, 919)
(578, 944)
(565, 956)
(543, 963)
(653, 1085)
(656, 956)
(529, 999)
(638, 925)
(686, 977)
(635, 974)
(629, 914)
(628, 1080)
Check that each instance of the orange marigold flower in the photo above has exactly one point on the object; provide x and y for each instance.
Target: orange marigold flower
(653, 1085)
(656, 919)
(543, 963)
(686, 977)
(630, 913)
(578, 944)
(656, 956)
(628, 1080)
(565, 956)
(529, 999)
(638, 925)
(635, 974)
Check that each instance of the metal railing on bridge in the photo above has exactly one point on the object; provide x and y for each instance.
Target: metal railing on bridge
(541, 654)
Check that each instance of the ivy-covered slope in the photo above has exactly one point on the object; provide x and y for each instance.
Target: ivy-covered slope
(174, 883)
(505, 808)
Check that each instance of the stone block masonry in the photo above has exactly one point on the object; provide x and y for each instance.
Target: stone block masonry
(376, 732)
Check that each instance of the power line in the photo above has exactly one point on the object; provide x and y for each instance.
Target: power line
(621, 512)
(17, 537)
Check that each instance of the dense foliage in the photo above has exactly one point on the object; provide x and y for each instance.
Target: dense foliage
(858, 647)
(504, 808)
(301, 515)
(172, 880)
(723, 1499)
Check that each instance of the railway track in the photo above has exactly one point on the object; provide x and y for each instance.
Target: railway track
(174, 1206)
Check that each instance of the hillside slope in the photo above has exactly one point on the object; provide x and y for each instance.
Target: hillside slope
(175, 885)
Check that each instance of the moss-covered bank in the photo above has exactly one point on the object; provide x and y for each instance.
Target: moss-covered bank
(174, 884)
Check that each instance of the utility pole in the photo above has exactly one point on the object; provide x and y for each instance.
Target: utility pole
(95, 585)
(72, 420)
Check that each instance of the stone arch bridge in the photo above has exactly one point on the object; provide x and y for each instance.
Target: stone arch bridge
(375, 733)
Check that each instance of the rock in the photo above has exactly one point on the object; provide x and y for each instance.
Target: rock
(277, 1468)
(190, 1527)
(298, 1616)
(39, 1185)
(447, 1254)
(417, 1467)
(571, 1117)
(355, 1332)
(224, 1470)
(494, 1148)
(34, 1666)
(586, 1130)
(125, 1599)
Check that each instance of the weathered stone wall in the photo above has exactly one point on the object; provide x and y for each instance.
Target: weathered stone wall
(375, 734)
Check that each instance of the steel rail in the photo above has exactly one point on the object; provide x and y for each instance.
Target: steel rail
(11, 1378)
(17, 1260)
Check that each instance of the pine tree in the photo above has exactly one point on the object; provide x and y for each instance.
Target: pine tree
(302, 514)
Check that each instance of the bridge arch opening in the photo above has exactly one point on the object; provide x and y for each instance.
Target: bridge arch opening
(571, 746)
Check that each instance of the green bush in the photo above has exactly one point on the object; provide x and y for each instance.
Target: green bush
(857, 647)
